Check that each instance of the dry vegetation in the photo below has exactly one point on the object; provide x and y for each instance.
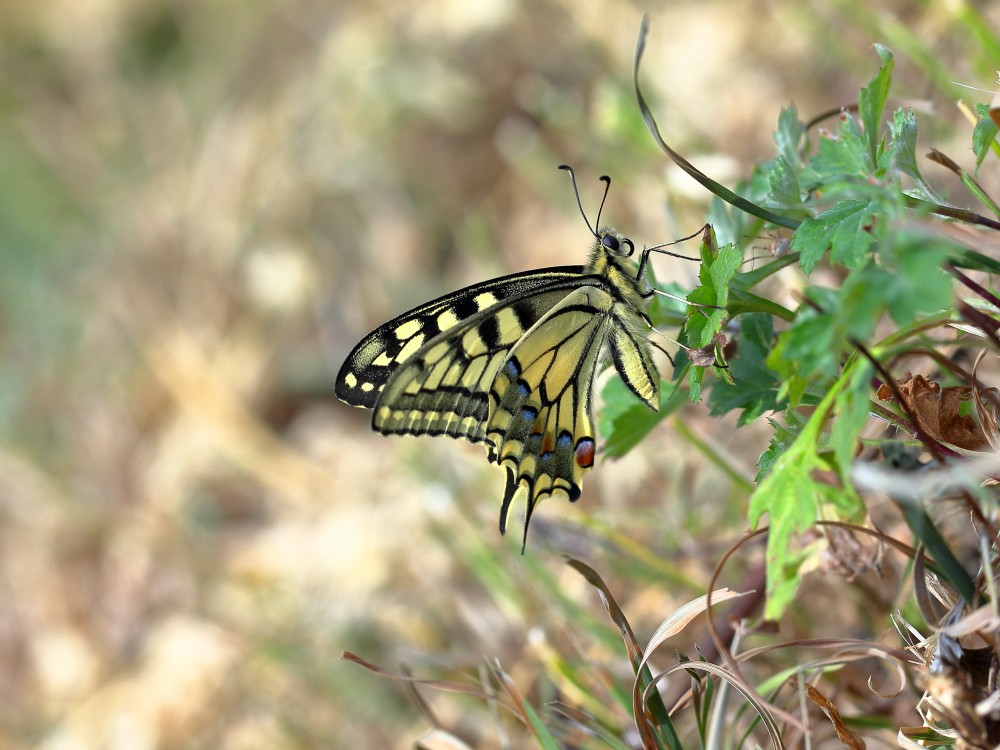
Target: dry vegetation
(202, 207)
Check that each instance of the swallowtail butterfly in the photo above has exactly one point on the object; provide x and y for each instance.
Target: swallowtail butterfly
(511, 363)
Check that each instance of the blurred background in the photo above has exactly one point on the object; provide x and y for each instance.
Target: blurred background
(204, 206)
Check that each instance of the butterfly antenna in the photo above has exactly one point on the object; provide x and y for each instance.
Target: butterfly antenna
(579, 203)
(607, 187)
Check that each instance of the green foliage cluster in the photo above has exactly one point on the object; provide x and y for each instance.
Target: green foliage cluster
(861, 210)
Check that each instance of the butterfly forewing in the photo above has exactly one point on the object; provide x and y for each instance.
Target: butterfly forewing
(372, 362)
(442, 389)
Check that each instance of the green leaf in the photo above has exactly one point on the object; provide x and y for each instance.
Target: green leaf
(755, 387)
(840, 159)
(917, 284)
(902, 153)
(812, 344)
(780, 442)
(842, 228)
(851, 407)
(718, 267)
(768, 458)
(542, 734)
(791, 495)
(788, 137)
(984, 135)
(695, 377)
(788, 495)
(783, 186)
(625, 420)
(872, 100)
(924, 530)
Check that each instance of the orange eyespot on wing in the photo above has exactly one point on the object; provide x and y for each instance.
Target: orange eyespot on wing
(584, 452)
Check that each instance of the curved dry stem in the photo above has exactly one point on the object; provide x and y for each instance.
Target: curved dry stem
(759, 705)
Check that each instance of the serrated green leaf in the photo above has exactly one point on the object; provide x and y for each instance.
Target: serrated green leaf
(767, 459)
(788, 496)
(984, 135)
(902, 153)
(811, 345)
(840, 160)
(755, 386)
(695, 377)
(917, 284)
(852, 410)
(841, 228)
(624, 420)
(718, 267)
(791, 497)
(780, 442)
(872, 100)
(788, 137)
(783, 186)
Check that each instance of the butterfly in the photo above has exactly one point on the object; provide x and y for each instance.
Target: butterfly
(511, 363)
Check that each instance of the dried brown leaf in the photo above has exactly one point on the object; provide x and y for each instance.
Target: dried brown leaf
(847, 736)
(937, 410)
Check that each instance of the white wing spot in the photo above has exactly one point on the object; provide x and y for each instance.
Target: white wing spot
(350, 380)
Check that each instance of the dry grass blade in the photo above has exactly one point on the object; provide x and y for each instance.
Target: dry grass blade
(683, 616)
(920, 593)
(617, 615)
(448, 686)
(987, 411)
(983, 621)
(849, 738)
(643, 676)
(767, 717)
(438, 739)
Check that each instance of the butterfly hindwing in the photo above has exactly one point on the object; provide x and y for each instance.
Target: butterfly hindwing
(541, 400)
(369, 366)
(541, 429)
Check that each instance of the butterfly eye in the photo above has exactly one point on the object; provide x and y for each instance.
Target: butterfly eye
(611, 243)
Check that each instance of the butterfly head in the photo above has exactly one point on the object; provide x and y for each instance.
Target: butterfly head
(614, 243)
